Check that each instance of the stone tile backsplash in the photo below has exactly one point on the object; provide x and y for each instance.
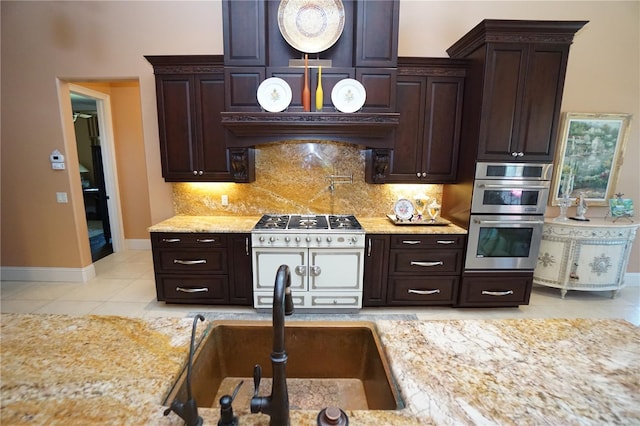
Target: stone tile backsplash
(293, 177)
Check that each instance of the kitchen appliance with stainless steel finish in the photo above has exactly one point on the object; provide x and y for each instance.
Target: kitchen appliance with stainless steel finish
(507, 214)
(325, 254)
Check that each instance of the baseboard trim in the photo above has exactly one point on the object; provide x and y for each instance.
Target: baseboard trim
(632, 279)
(18, 273)
(141, 244)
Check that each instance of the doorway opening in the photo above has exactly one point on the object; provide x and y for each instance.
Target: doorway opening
(91, 165)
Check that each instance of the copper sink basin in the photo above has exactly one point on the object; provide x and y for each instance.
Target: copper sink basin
(330, 363)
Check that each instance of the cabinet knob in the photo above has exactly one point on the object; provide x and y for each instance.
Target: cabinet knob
(514, 154)
(200, 173)
(424, 174)
(195, 173)
(521, 154)
(418, 174)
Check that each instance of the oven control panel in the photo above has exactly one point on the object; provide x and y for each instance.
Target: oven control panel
(309, 240)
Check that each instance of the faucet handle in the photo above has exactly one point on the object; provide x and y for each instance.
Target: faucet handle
(257, 376)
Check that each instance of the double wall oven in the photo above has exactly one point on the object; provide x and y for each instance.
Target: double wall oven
(507, 215)
(325, 254)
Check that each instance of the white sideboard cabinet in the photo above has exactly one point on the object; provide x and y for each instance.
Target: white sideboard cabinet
(588, 256)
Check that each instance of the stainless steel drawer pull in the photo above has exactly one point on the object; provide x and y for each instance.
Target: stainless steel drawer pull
(424, 292)
(192, 290)
(497, 293)
(190, 262)
(445, 242)
(438, 263)
(206, 240)
(410, 242)
(171, 240)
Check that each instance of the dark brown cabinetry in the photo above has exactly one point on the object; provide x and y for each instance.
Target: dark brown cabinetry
(514, 88)
(202, 268)
(495, 289)
(424, 269)
(376, 265)
(428, 97)
(190, 93)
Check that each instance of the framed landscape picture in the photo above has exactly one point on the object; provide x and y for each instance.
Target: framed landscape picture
(589, 156)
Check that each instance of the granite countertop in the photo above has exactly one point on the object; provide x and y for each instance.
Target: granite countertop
(113, 370)
(242, 224)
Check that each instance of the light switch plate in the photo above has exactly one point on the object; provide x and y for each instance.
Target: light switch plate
(61, 197)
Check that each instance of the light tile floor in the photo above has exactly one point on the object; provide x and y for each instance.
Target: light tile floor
(124, 285)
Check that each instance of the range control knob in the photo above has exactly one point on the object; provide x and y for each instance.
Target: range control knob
(261, 239)
(319, 239)
(308, 239)
(328, 239)
(272, 239)
(354, 239)
(297, 239)
(287, 239)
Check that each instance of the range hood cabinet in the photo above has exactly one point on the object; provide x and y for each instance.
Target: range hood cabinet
(247, 129)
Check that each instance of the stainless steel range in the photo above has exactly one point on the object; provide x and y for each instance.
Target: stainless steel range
(325, 254)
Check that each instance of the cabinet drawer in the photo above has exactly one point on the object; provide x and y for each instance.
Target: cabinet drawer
(452, 241)
(191, 289)
(265, 300)
(425, 262)
(422, 291)
(342, 301)
(496, 289)
(183, 239)
(213, 261)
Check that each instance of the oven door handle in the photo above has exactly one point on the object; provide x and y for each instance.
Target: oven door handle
(510, 187)
(509, 222)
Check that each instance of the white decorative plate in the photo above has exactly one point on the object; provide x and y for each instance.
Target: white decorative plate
(274, 94)
(348, 95)
(403, 209)
(311, 26)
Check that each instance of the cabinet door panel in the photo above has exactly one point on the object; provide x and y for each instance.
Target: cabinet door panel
(213, 154)
(177, 137)
(242, 84)
(376, 263)
(380, 84)
(501, 101)
(240, 272)
(406, 155)
(443, 119)
(541, 101)
(244, 32)
(377, 33)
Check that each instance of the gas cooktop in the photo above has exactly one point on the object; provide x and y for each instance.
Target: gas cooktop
(293, 222)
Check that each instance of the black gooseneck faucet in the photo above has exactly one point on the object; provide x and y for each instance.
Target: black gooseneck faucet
(277, 404)
(188, 411)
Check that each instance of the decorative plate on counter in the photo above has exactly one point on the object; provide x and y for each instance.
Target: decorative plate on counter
(311, 26)
(403, 209)
(348, 95)
(274, 94)
(413, 221)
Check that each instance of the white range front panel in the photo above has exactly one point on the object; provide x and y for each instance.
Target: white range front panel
(321, 279)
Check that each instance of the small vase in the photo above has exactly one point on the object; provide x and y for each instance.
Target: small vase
(306, 94)
(319, 93)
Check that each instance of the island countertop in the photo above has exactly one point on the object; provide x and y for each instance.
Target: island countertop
(114, 370)
(244, 224)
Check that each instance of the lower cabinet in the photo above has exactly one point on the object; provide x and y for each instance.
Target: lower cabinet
(412, 269)
(495, 288)
(202, 268)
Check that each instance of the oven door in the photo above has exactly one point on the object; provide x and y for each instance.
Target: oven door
(509, 196)
(503, 242)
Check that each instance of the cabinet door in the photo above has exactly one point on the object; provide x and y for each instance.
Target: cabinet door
(377, 33)
(380, 85)
(212, 152)
(176, 123)
(240, 272)
(376, 262)
(503, 86)
(540, 112)
(441, 137)
(244, 32)
(407, 153)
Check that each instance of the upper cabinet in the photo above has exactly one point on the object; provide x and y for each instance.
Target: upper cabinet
(429, 94)
(190, 92)
(514, 87)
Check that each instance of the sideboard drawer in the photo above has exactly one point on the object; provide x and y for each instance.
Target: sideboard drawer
(440, 241)
(183, 239)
